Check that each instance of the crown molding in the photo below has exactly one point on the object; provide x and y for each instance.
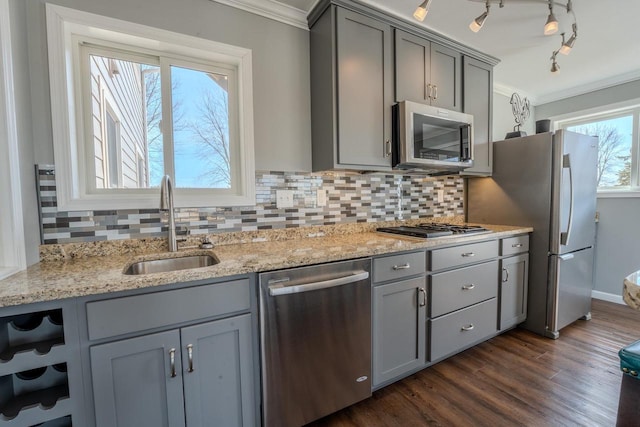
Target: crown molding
(271, 9)
(507, 91)
(589, 87)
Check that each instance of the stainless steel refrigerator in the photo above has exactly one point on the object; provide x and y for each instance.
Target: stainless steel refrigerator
(546, 181)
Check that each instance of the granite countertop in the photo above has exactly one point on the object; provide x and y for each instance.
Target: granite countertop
(631, 290)
(52, 280)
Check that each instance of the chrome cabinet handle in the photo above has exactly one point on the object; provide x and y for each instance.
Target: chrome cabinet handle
(402, 267)
(517, 245)
(423, 301)
(190, 355)
(435, 92)
(172, 361)
(468, 287)
(469, 327)
(468, 254)
(429, 91)
(506, 279)
(387, 148)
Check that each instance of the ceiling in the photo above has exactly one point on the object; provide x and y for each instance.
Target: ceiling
(606, 52)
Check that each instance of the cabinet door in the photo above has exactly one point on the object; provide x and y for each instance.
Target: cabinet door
(446, 78)
(513, 291)
(411, 67)
(478, 101)
(364, 90)
(133, 383)
(218, 374)
(399, 328)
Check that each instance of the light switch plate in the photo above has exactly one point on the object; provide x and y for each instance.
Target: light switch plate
(321, 197)
(284, 199)
(440, 196)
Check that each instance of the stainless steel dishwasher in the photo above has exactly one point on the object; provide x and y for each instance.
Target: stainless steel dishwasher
(315, 330)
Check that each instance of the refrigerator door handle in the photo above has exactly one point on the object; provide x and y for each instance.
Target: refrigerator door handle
(566, 164)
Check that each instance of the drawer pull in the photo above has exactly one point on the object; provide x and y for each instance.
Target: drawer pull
(468, 287)
(402, 267)
(517, 245)
(469, 327)
(423, 300)
(506, 275)
(172, 362)
(190, 355)
(468, 254)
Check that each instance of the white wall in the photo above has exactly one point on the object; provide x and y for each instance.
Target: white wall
(24, 124)
(617, 244)
(280, 54)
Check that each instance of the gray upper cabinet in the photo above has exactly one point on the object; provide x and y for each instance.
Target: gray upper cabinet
(478, 101)
(351, 91)
(427, 72)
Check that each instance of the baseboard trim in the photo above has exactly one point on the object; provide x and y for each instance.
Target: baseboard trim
(604, 296)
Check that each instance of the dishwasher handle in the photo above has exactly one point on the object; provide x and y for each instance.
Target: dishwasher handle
(280, 289)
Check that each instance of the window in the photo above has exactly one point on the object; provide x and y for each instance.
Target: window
(139, 103)
(618, 146)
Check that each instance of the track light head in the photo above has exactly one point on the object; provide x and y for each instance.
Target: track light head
(422, 10)
(477, 23)
(551, 26)
(555, 68)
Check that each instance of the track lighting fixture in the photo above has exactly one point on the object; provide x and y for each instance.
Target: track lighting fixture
(555, 68)
(566, 47)
(422, 10)
(477, 23)
(551, 25)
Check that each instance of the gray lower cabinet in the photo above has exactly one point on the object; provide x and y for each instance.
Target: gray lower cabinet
(513, 291)
(427, 72)
(200, 373)
(399, 315)
(478, 101)
(351, 91)
(399, 329)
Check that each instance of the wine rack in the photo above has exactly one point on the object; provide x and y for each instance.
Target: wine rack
(34, 364)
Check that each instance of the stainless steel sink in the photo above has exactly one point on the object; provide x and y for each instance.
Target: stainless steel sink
(171, 264)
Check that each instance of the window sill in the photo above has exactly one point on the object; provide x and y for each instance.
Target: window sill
(618, 194)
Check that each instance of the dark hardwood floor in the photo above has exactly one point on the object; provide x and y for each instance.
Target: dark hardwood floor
(517, 378)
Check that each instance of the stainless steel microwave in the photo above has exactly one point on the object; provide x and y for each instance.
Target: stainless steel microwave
(432, 139)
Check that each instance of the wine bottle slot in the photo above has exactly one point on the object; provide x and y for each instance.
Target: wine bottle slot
(31, 374)
(55, 317)
(27, 322)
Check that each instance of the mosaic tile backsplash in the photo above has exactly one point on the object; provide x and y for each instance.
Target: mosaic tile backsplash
(351, 198)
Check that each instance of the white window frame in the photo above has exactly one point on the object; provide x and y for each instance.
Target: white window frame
(625, 108)
(12, 241)
(66, 28)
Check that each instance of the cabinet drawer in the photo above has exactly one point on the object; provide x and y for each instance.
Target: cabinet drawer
(463, 287)
(514, 245)
(125, 315)
(462, 328)
(399, 266)
(461, 255)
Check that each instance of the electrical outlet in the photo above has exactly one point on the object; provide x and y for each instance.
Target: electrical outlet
(440, 196)
(321, 197)
(284, 199)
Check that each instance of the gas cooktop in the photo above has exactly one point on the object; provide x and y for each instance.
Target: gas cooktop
(434, 229)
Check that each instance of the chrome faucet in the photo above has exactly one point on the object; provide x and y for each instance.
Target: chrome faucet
(166, 204)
